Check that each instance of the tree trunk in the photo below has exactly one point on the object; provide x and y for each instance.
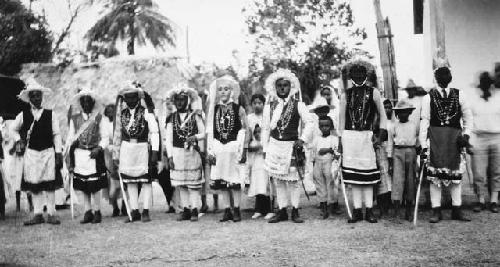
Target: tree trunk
(131, 28)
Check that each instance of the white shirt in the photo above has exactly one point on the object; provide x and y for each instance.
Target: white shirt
(402, 134)
(37, 113)
(320, 142)
(103, 131)
(467, 122)
(486, 113)
(169, 145)
(271, 120)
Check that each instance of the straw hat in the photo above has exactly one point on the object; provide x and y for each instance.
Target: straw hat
(403, 104)
(32, 85)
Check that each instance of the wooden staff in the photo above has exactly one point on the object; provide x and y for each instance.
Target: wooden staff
(344, 191)
(420, 178)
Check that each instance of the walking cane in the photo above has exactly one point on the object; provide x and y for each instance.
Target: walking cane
(344, 192)
(124, 197)
(420, 178)
(71, 203)
(301, 177)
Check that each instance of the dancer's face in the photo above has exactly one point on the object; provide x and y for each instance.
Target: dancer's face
(87, 103)
(131, 99)
(283, 88)
(36, 98)
(443, 77)
(181, 102)
(224, 91)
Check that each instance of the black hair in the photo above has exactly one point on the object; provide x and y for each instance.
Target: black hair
(326, 118)
(485, 82)
(387, 101)
(258, 96)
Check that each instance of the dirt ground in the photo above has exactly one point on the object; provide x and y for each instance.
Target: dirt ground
(317, 242)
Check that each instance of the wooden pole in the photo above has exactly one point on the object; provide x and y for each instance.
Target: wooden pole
(387, 59)
(438, 38)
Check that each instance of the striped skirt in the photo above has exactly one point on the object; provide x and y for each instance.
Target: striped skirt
(359, 164)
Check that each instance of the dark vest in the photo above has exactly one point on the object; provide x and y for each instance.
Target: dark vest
(233, 134)
(355, 96)
(291, 131)
(452, 106)
(41, 137)
(190, 128)
(91, 137)
(140, 129)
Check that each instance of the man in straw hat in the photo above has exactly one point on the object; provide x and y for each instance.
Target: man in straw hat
(38, 130)
(184, 145)
(227, 143)
(415, 96)
(359, 105)
(401, 149)
(447, 121)
(88, 136)
(136, 132)
(284, 114)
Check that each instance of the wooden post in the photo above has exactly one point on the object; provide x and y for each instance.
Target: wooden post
(438, 38)
(387, 59)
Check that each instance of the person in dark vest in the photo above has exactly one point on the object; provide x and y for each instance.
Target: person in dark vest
(135, 132)
(184, 143)
(359, 106)
(38, 130)
(88, 136)
(284, 117)
(447, 122)
(227, 137)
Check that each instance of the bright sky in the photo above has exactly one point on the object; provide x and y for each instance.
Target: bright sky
(217, 28)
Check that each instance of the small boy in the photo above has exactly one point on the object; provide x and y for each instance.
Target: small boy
(325, 147)
(403, 141)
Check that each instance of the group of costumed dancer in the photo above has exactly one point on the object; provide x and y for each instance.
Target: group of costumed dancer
(356, 143)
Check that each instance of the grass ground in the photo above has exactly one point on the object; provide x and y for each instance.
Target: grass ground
(317, 242)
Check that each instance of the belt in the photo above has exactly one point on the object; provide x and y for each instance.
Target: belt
(400, 146)
(135, 141)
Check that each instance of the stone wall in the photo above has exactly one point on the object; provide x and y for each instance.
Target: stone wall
(157, 75)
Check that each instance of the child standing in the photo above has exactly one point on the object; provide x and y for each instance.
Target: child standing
(403, 140)
(259, 181)
(326, 155)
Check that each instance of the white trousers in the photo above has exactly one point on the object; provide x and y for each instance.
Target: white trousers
(362, 194)
(455, 192)
(133, 194)
(287, 191)
(44, 198)
(190, 198)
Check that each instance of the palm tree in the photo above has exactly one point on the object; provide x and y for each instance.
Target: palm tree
(133, 20)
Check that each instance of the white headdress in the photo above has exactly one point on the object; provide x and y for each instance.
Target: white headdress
(194, 100)
(86, 92)
(131, 87)
(32, 85)
(270, 84)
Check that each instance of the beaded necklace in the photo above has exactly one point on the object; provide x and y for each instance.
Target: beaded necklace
(138, 123)
(183, 131)
(224, 120)
(357, 106)
(285, 117)
(446, 109)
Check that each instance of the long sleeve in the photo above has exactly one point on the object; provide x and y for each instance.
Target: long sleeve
(201, 135)
(308, 123)
(56, 133)
(380, 108)
(266, 131)
(244, 128)
(342, 114)
(467, 118)
(70, 138)
(105, 134)
(169, 137)
(15, 127)
(425, 120)
(390, 140)
(153, 131)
